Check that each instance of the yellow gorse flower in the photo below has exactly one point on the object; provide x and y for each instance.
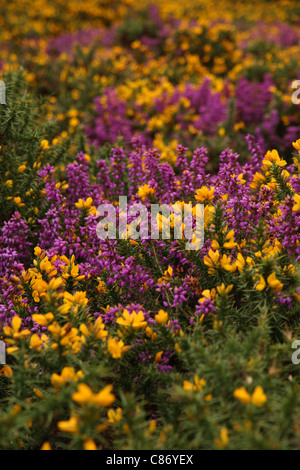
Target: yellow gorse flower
(145, 191)
(274, 283)
(205, 194)
(158, 357)
(71, 426)
(261, 284)
(258, 397)
(223, 290)
(70, 269)
(212, 261)
(133, 320)
(43, 320)
(22, 168)
(197, 385)
(162, 317)
(87, 204)
(296, 206)
(296, 144)
(18, 201)
(6, 371)
(46, 446)
(116, 347)
(230, 244)
(227, 264)
(73, 302)
(67, 336)
(38, 393)
(39, 287)
(272, 157)
(89, 444)
(45, 144)
(242, 395)
(258, 179)
(96, 329)
(207, 294)
(84, 395)
(114, 416)
(36, 342)
(223, 440)
(168, 273)
(240, 262)
(13, 331)
(68, 374)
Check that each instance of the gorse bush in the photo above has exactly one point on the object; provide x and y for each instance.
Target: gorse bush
(143, 343)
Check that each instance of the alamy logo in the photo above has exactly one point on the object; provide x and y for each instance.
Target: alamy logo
(177, 221)
(2, 353)
(2, 92)
(295, 95)
(296, 354)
